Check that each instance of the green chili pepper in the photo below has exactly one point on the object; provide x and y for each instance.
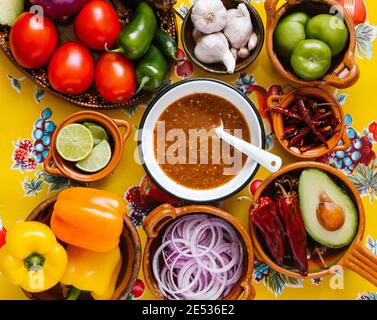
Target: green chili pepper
(136, 38)
(166, 44)
(152, 70)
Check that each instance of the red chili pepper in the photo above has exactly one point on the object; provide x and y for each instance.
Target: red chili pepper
(289, 209)
(265, 216)
(286, 112)
(3, 233)
(309, 121)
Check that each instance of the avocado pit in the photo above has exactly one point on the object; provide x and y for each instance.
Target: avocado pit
(330, 215)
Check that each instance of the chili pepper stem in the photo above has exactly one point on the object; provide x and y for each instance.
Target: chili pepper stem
(142, 84)
(253, 203)
(318, 252)
(74, 294)
(283, 191)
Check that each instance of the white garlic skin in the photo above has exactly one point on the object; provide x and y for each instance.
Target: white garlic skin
(209, 16)
(253, 42)
(239, 27)
(243, 53)
(214, 48)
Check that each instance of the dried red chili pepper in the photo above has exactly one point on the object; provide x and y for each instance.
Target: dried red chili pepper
(265, 216)
(309, 121)
(300, 135)
(289, 209)
(286, 112)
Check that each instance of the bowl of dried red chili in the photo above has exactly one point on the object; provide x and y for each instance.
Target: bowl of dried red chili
(309, 122)
(279, 232)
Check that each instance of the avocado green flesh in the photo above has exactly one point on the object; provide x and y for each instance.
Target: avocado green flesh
(312, 184)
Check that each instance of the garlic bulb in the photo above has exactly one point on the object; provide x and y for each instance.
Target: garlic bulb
(243, 53)
(209, 16)
(238, 28)
(214, 48)
(253, 42)
(196, 35)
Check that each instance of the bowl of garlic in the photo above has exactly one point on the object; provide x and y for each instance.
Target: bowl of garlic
(222, 36)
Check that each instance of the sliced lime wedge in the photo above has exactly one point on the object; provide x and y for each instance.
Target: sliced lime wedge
(99, 133)
(74, 142)
(98, 159)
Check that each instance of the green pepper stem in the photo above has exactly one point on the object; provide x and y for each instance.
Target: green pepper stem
(34, 262)
(118, 50)
(74, 294)
(142, 84)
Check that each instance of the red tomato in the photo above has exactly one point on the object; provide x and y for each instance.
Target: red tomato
(71, 69)
(115, 77)
(97, 25)
(33, 40)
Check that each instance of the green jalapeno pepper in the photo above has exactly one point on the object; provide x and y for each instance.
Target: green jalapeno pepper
(152, 70)
(136, 38)
(166, 44)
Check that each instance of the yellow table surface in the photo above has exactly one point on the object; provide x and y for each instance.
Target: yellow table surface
(23, 185)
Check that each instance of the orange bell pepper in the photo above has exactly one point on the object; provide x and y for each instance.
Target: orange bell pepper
(88, 218)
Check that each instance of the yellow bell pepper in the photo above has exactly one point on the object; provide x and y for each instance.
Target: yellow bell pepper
(32, 258)
(96, 272)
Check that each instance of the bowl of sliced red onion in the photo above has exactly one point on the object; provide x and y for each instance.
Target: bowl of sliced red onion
(197, 252)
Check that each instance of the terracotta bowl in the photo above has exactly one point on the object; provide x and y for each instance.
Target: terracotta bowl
(155, 224)
(219, 69)
(90, 98)
(354, 257)
(55, 164)
(286, 101)
(344, 61)
(130, 248)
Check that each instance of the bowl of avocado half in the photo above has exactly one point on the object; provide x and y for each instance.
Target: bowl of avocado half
(307, 219)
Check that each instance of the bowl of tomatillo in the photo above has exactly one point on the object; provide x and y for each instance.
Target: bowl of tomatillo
(312, 42)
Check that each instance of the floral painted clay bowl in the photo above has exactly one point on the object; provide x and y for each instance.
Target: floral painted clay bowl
(130, 247)
(287, 100)
(56, 165)
(353, 257)
(344, 62)
(157, 221)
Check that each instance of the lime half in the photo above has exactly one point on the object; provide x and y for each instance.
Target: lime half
(98, 132)
(74, 142)
(98, 159)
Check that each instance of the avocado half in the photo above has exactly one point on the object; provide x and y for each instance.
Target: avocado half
(314, 185)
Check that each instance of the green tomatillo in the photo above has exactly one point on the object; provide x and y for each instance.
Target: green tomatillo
(311, 59)
(289, 32)
(329, 29)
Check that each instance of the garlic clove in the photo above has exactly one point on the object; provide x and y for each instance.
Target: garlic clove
(243, 53)
(209, 16)
(253, 42)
